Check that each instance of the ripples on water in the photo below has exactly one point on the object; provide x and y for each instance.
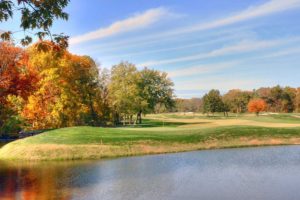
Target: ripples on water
(252, 173)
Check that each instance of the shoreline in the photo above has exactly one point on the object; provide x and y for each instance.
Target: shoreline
(54, 152)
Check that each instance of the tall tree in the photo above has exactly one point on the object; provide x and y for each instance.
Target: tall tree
(154, 88)
(17, 81)
(123, 91)
(68, 90)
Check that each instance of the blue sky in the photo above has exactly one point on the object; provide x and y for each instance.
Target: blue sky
(201, 44)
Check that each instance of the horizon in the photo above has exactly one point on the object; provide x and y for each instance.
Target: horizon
(201, 45)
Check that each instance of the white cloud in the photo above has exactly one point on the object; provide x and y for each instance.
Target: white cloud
(135, 22)
(201, 69)
(268, 8)
(221, 83)
(216, 67)
(242, 47)
(225, 38)
(153, 15)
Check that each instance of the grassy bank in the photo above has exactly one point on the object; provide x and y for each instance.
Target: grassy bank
(154, 136)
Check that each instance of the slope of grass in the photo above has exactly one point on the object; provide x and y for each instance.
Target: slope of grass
(149, 138)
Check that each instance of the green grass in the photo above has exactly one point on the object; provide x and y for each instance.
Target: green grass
(153, 136)
(272, 118)
(120, 136)
(277, 118)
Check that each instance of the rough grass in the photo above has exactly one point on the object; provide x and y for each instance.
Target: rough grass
(154, 136)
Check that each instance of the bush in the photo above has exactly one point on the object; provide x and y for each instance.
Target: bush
(11, 127)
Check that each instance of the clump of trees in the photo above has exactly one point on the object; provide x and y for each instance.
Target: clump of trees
(277, 99)
(133, 92)
(54, 88)
(274, 99)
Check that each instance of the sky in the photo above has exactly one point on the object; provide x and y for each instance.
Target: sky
(201, 44)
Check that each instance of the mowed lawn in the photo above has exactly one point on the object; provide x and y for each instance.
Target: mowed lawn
(158, 134)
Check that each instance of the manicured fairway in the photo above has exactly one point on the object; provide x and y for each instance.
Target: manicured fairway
(158, 134)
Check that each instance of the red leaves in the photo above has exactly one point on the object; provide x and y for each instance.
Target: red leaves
(16, 77)
(257, 106)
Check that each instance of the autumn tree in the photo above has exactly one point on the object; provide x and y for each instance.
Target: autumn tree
(278, 99)
(17, 82)
(35, 15)
(237, 100)
(297, 100)
(68, 90)
(256, 106)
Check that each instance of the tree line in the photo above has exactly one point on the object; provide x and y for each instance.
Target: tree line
(272, 99)
(52, 88)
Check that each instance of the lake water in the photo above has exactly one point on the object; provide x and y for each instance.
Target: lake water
(231, 174)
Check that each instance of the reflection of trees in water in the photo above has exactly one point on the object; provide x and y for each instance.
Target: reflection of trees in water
(30, 184)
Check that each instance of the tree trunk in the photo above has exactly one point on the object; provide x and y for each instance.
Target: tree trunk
(131, 122)
(139, 117)
(117, 118)
(92, 111)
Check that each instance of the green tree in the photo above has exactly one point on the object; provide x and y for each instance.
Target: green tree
(288, 97)
(123, 91)
(154, 88)
(212, 102)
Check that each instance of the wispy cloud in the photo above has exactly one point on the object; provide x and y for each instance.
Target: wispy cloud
(135, 22)
(221, 83)
(153, 15)
(201, 69)
(268, 8)
(220, 66)
(202, 43)
(134, 44)
(242, 47)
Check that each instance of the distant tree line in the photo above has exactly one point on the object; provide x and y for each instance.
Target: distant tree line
(277, 99)
(52, 88)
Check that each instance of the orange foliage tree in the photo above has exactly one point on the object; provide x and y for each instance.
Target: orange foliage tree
(257, 106)
(16, 77)
(69, 92)
(17, 82)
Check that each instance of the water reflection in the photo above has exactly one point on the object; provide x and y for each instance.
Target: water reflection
(254, 173)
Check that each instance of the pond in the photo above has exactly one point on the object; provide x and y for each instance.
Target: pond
(250, 173)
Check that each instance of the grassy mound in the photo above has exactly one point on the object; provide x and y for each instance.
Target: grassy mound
(152, 137)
